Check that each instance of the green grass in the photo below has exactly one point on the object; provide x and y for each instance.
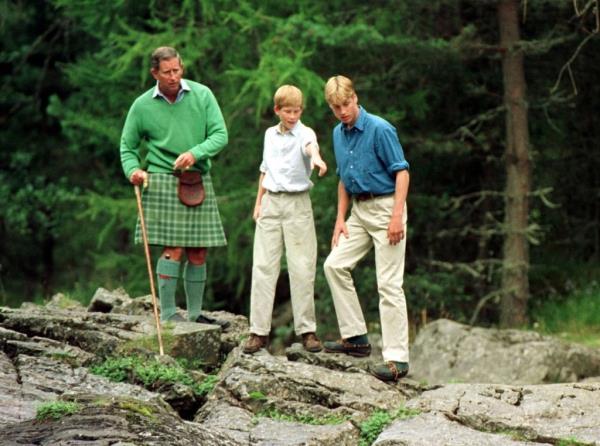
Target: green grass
(575, 317)
(378, 421)
(55, 410)
(301, 418)
(150, 373)
(571, 442)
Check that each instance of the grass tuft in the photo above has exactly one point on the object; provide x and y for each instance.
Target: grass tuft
(151, 373)
(378, 421)
(55, 410)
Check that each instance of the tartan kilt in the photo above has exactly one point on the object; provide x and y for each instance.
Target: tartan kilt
(171, 223)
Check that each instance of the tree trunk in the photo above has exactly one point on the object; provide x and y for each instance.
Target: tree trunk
(515, 280)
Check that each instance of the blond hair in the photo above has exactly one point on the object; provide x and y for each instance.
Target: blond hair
(288, 96)
(338, 90)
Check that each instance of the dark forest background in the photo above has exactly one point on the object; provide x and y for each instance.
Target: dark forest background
(436, 69)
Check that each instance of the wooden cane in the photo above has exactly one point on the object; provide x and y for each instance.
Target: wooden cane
(138, 196)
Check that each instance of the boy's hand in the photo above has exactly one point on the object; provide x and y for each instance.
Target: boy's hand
(318, 162)
(256, 213)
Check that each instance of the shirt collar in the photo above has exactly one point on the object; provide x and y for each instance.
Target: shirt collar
(282, 130)
(184, 89)
(360, 121)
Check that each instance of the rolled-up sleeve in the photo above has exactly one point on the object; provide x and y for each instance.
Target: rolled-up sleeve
(390, 150)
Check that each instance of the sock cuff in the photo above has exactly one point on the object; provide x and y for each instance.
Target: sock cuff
(167, 267)
(194, 273)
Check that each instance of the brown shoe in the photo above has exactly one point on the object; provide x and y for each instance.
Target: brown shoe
(311, 343)
(255, 343)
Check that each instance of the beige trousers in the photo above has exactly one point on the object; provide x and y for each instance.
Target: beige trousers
(286, 220)
(367, 227)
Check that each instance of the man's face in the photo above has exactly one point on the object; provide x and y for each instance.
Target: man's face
(168, 75)
(346, 111)
(289, 116)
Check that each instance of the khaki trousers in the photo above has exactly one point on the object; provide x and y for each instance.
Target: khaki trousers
(286, 219)
(367, 227)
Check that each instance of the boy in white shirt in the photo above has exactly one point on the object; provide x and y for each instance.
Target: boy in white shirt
(283, 215)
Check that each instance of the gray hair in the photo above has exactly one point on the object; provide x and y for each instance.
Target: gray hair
(163, 53)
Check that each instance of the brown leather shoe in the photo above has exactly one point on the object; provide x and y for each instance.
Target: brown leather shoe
(255, 343)
(311, 343)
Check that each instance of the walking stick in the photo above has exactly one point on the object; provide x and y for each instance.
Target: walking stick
(138, 196)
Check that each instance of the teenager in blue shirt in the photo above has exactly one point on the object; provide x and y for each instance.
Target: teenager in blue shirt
(374, 178)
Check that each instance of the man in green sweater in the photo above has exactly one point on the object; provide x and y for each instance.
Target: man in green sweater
(182, 126)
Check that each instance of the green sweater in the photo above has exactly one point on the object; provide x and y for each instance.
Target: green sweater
(194, 124)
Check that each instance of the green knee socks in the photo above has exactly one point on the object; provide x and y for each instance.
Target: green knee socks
(168, 274)
(194, 277)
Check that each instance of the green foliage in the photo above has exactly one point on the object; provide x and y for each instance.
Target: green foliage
(301, 418)
(56, 410)
(257, 395)
(151, 373)
(137, 407)
(571, 442)
(379, 420)
(206, 386)
(575, 317)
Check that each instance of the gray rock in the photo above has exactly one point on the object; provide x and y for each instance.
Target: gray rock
(105, 301)
(544, 413)
(44, 379)
(446, 351)
(261, 381)
(37, 346)
(286, 433)
(106, 334)
(436, 429)
(61, 302)
(14, 406)
(333, 361)
(102, 421)
(248, 429)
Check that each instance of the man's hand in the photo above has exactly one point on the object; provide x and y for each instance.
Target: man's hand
(184, 161)
(339, 228)
(318, 162)
(139, 177)
(395, 232)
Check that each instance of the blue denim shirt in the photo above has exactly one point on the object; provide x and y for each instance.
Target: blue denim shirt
(368, 155)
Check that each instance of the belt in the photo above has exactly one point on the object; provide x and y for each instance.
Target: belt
(364, 196)
(283, 192)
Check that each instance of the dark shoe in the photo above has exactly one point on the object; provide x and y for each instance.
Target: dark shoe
(176, 318)
(343, 346)
(390, 371)
(255, 343)
(209, 320)
(311, 343)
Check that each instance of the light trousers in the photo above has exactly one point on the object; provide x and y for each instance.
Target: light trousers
(286, 221)
(367, 228)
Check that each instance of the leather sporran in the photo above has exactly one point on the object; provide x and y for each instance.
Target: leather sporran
(190, 188)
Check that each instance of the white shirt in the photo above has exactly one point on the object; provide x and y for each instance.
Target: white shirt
(285, 163)
(184, 89)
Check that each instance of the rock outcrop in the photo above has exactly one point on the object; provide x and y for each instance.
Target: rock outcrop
(49, 354)
(446, 351)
